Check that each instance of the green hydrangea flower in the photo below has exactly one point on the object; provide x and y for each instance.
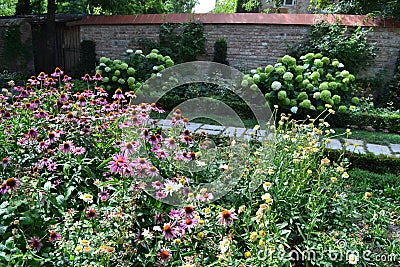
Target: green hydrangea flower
(299, 69)
(117, 73)
(124, 66)
(329, 77)
(335, 63)
(315, 75)
(318, 63)
(169, 62)
(288, 60)
(299, 78)
(342, 109)
(282, 95)
(355, 100)
(306, 81)
(121, 81)
(161, 68)
(325, 95)
(107, 69)
(330, 102)
(160, 58)
(318, 55)
(344, 73)
(293, 102)
(269, 69)
(286, 102)
(288, 76)
(324, 86)
(302, 96)
(336, 99)
(280, 70)
(346, 80)
(326, 60)
(130, 71)
(245, 83)
(309, 56)
(114, 78)
(332, 85)
(305, 104)
(263, 76)
(268, 96)
(106, 79)
(317, 95)
(254, 87)
(117, 61)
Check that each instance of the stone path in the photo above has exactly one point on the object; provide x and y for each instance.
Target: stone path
(352, 145)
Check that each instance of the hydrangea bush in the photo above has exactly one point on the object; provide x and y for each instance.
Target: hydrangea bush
(75, 188)
(129, 73)
(304, 85)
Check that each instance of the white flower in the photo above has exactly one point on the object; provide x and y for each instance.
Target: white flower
(129, 51)
(276, 85)
(256, 76)
(353, 259)
(224, 245)
(341, 65)
(159, 75)
(200, 163)
(155, 67)
(88, 198)
(345, 175)
(223, 167)
(294, 109)
(256, 127)
(147, 234)
(157, 228)
(267, 185)
(138, 52)
(253, 71)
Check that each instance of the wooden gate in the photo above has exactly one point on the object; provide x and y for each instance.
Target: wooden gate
(70, 48)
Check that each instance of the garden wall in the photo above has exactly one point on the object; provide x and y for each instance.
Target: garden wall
(253, 39)
(16, 48)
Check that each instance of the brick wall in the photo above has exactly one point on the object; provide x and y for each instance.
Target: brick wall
(253, 39)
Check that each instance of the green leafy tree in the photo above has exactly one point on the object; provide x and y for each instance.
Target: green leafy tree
(225, 6)
(7, 7)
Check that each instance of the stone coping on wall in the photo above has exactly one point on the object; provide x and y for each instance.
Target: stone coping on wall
(239, 18)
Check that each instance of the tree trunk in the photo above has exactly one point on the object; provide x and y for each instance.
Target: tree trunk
(50, 56)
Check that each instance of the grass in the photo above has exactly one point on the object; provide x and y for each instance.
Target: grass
(379, 138)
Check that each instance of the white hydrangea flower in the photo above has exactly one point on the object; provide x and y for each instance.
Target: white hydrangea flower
(276, 85)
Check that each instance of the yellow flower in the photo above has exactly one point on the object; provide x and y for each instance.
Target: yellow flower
(267, 185)
(200, 235)
(177, 241)
(325, 161)
(271, 171)
(261, 232)
(78, 249)
(261, 243)
(309, 171)
(345, 175)
(333, 179)
(367, 195)
(253, 236)
(87, 249)
(256, 127)
(241, 208)
(247, 254)
(348, 131)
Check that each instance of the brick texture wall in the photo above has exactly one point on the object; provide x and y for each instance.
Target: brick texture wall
(253, 39)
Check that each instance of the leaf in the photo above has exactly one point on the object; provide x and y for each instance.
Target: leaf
(103, 163)
(47, 186)
(60, 200)
(3, 229)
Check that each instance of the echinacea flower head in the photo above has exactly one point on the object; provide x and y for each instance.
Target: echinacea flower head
(57, 72)
(188, 211)
(5, 162)
(12, 183)
(227, 217)
(169, 232)
(67, 146)
(164, 255)
(35, 243)
(54, 236)
(91, 213)
(104, 195)
(86, 77)
(118, 94)
(97, 77)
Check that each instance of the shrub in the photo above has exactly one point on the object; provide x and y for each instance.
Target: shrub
(337, 42)
(313, 80)
(220, 51)
(130, 72)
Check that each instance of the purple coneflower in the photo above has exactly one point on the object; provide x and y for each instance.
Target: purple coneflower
(5, 162)
(157, 185)
(165, 255)
(57, 72)
(42, 76)
(119, 164)
(35, 243)
(118, 94)
(227, 217)
(188, 211)
(91, 213)
(169, 232)
(170, 143)
(160, 195)
(52, 166)
(104, 195)
(174, 214)
(97, 77)
(189, 223)
(206, 197)
(53, 236)
(86, 77)
(32, 133)
(67, 146)
(152, 171)
(79, 150)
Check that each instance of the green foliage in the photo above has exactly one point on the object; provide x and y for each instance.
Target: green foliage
(379, 120)
(220, 51)
(248, 6)
(23, 7)
(338, 42)
(130, 72)
(184, 41)
(392, 96)
(7, 7)
(225, 6)
(16, 53)
(309, 83)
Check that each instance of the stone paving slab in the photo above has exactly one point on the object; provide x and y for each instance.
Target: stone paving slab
(213, 127)
(193, 126)
(378, 149)
(209, 132)
(334, 144)
(355, 146)
(395, 148)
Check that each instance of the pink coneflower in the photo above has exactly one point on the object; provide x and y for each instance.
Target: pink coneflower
(107, 108)
(97, 77)
(35, 243)
(120, 165)
(174, 214)
(160, 195)
(118, 94)
(153, 140)
(169, 232)
(40, 114)
(53, 236)
(104, 195)
(43, 145)
(130, 94)
(130, 147)
(141, 162)
(32, 133)
(53, 136)
(161, 154)
(5, 162)
(67, 146)
(101, 92)
(152, 171)
(63, 97)
(170, 143)
(86, 77)
(52, 166)
(49, 81)
(79, 150)
(81, 101)
(164, 255)
(66, 105)
(187, 139)
(12, 183)
(188, 211)
(206, 197)
(91, 213)
(157, 185)
(42, 76)
(227, 217)
(101, 101)
(189, 223)
(57, 72)
(66, 78)
(7, 115)
(44, 162)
